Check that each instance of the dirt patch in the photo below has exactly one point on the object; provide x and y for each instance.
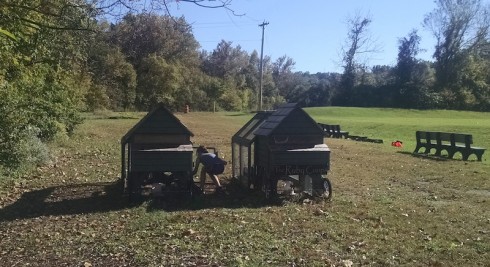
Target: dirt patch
(485, 193)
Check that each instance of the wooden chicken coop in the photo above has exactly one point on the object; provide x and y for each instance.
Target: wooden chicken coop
(285, 145)
(157, 151)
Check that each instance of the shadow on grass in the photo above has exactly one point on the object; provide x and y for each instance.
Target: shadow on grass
(234, 196)
(104, 197)
(433, 157)
(67, 200)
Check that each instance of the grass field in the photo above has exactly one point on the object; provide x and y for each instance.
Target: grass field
(400, 124)
(389, 208)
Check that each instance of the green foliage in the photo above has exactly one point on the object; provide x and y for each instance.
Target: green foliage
(476, 83)
(31, 151)
(461, 30)
(357, 43)
(157, 83)
(114, 79)
(407, 57)
(40, 103)
(143, 35)
(11, 123)
(96, 98)
(230, 100)
(50, 100)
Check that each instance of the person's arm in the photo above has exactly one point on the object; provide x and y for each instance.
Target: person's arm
(196, 165)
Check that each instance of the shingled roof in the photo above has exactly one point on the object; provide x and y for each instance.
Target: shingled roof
(246, 134)
(289, 119)
(158, 121)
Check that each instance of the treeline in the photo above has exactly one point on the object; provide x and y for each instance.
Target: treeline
(145, 59)
(58, 58)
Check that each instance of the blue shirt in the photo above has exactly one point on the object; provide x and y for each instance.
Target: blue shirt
(209, 159)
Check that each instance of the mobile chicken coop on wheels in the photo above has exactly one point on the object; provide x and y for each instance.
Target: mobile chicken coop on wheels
(157, 151)
(282, 150)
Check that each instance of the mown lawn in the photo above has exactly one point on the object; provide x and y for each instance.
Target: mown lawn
(401, 124)
(389, 208)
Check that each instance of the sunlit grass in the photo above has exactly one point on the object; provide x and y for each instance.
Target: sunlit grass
(389, 208)
(401, 124)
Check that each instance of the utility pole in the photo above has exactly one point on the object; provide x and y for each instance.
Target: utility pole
(261, 64)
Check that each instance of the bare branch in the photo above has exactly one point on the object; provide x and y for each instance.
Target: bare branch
(225, 4)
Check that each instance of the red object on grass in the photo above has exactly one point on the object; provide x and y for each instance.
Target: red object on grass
(397, 143)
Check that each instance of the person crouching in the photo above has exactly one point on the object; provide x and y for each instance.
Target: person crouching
(212, 165)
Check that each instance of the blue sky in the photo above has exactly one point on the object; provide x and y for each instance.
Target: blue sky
(310, 32)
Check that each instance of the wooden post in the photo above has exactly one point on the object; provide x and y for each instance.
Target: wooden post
(123, 162)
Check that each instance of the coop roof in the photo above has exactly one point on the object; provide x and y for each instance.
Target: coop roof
(246, 135)
(289, 119)
(158, 121)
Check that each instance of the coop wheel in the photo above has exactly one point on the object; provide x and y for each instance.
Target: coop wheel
(327, 187)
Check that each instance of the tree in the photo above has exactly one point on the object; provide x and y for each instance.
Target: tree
(226, 61)
(237, 71)
(411, 88)
(44, 75)
(282, 73)
(251, 73)
(120, 80)
(460, 27)
(146, 34)
(157, 83)
(358, 43)
(408, 50)
(41, 73)
(319, 92)
(475, 84)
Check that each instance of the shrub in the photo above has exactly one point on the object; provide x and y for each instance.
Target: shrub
(35, 107)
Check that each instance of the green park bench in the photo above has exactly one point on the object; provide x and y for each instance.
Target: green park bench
(450, 142)
(333, 130)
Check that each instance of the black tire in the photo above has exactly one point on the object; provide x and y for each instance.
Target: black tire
(327, 187)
